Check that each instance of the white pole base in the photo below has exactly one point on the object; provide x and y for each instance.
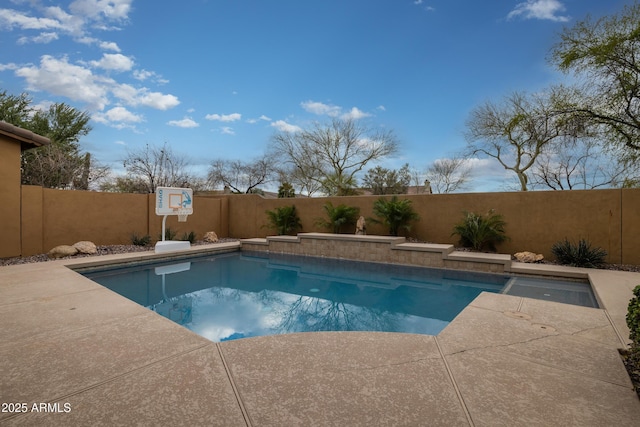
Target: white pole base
(172, 245)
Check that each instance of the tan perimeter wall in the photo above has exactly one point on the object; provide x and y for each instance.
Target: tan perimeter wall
(61, 217)
(9, 197)
(535, 220)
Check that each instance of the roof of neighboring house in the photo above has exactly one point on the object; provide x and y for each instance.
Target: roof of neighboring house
(26, 138)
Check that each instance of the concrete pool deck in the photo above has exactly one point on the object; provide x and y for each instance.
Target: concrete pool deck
(93, 357)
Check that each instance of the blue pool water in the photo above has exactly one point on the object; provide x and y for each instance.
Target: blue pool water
(240, 294)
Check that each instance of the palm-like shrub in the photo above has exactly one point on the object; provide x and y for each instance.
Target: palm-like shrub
(481, 232)
(339, 216)
(580, 254)
(284, 220)
(395, 213)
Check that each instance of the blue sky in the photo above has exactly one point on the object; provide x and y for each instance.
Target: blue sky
(216, 78)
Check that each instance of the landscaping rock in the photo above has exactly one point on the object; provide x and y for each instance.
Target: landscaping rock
(62, 251)
(210, 237)
(86, 247)
(528, 257)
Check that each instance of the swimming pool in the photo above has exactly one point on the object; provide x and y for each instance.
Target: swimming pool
(242, 294)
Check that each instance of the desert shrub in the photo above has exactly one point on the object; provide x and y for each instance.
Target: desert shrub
(481, 232)
(138, 240)
(395, 213)
(190, 236)
(631, 358)
(169, 234)
(633, 318)
(339, 216)
(580, 254)
(284, 220)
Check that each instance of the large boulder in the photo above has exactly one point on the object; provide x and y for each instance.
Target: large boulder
(62, 251)
(528, 257)
(210, 237)
(86, 247)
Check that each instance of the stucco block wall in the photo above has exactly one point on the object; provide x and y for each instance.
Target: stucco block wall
(9, 197)
(535, 219)
(61, 217)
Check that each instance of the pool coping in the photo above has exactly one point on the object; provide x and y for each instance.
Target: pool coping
(503, 360)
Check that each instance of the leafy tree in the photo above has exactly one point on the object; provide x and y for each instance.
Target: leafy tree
(152, 167)
(394, 213)
(286, 190)
(284, 220)
(388, 181)
(240, 176)
(518, 130)
(61, 164)
(605, 53)
(331, 155)
(339, 216)
(448, 175)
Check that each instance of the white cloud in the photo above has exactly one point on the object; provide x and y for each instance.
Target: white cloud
(114, 61)
(227, 130)
(156, 100)
(109, 46)
(99, 9)
(224, 117)
(354, 114)
(283, 126)
(79, 83)
(120, 143)
(320, 108)
(42, 38)
(118, 114)
(10, 19)
(59, 77)
(539, 9)
(187, 122)
(265, 118)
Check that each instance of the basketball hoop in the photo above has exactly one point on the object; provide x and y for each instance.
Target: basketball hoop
(182, 215)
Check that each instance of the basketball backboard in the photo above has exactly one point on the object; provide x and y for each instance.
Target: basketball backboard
(174, 201)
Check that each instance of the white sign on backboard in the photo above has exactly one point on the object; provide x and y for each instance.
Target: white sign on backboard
(174, 201)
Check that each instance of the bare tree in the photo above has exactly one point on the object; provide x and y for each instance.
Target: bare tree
(153, 167)
(242, 177)
(517, 131)
(449, 175)
(583, 164)
(331, 155)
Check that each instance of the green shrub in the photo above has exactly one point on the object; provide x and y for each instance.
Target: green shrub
(481, 232)
(395, 213)
(339, 216)
(138, 240)
(190, 236)
(631, 357)
(284, 220)
(633, 318)
(578, 255)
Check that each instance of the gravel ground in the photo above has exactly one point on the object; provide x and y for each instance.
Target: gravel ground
(102, 250)
(122, 249)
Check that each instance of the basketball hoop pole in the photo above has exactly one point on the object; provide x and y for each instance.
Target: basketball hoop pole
(164, 222)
